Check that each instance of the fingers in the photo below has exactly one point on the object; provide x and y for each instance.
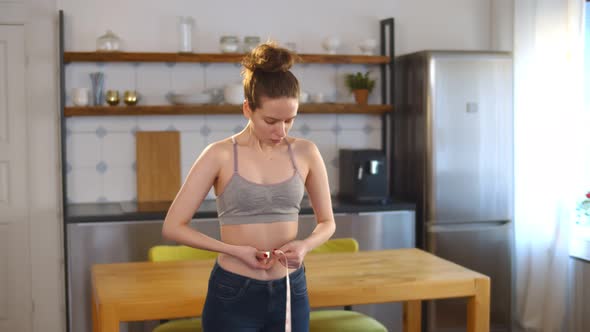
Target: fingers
(264, 260)
(262, 255)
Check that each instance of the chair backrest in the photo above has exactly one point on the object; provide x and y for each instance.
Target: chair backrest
(337, 245)
(163, 253)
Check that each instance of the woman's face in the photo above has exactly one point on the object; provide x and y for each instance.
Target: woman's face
(273, 119)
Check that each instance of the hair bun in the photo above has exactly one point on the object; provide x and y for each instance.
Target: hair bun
(269, 57)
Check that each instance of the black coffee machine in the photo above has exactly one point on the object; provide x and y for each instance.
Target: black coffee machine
(363, 176)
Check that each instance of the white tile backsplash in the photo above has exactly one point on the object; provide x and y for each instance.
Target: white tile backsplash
(218, 135)
(188, 78)
(110, 141)
(118, 123)
(316, 78)
(118, 149)
(153, 79)
(119, 76)
(190, 123)
(326, 143)
(315, 121)
(359, 121)
(89, 124)
(191, 146)
(359, 139)
(155, 123)
(226, 122)
(83, 149)
(84, 185)
(119, 184)
(218, 75)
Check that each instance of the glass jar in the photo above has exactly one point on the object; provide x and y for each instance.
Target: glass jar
(185, 27)
(109, 42)
(250, 42)
(229, 44)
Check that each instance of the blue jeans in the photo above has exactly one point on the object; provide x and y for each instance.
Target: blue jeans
(241, 304)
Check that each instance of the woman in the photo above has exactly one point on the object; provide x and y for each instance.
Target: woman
(259, 176)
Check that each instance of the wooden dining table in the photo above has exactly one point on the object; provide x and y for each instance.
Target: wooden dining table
(138, 291)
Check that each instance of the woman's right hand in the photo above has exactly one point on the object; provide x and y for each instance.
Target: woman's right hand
(253, 257)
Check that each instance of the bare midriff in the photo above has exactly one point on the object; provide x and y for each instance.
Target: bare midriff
(263, 236)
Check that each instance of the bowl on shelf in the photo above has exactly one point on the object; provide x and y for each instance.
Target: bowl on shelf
(188, 98)
(331, 44)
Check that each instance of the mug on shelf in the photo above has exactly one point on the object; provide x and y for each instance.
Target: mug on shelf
(80, 96)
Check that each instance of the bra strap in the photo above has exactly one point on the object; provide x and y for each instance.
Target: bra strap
(291, 155)
(233, 139)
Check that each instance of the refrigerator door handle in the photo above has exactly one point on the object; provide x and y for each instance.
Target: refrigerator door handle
(466, 226)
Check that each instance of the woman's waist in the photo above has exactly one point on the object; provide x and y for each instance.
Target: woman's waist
(265, 237)
(235, 265)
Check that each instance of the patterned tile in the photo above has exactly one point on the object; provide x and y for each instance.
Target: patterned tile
(101, 132)
(336, 129)
(119, 184)
(205, 131)
(83, 149)
(304, 129)
(118, 149)
(84, 185)
(101, 167)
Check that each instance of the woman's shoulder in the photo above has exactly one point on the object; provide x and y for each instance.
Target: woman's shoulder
(303, 147)
(219, 150)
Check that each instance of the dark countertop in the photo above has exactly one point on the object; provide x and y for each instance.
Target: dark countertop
(130, 211)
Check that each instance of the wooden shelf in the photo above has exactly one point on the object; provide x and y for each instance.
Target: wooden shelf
(324, 108)
(213, 57)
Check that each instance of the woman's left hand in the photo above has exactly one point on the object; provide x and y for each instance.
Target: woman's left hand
(294, 252)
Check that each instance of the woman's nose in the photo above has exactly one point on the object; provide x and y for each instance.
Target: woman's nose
(282, 129)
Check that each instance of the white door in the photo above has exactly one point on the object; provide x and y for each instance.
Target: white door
(15, 278)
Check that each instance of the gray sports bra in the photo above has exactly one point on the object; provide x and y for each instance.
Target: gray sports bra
(247, 202)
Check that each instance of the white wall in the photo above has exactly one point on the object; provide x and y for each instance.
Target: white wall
(151, 25)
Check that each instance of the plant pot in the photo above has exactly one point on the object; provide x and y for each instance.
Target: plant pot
(361, 96)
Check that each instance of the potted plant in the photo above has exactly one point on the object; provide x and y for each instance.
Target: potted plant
(360, 85)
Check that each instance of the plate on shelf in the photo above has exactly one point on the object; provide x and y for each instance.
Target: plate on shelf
(188, 98)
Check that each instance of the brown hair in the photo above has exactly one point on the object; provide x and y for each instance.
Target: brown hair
(266, 74)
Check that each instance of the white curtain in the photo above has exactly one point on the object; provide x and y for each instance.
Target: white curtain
(551, 137)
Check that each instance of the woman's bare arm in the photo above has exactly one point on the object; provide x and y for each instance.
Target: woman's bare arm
(190, 196)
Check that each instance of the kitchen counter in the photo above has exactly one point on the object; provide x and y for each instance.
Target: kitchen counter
(132, 211)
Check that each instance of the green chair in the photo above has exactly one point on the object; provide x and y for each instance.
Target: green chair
(341, 320)
(177, 253)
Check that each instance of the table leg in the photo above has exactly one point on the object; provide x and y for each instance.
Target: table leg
(103, 320)
(95, 321)
(478, 307)
(412, 316)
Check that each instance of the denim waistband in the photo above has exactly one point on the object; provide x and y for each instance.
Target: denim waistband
(218, 270)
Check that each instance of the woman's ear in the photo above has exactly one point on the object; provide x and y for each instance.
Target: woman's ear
(246, 110)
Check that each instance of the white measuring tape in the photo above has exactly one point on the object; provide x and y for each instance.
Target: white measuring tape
(288, 302)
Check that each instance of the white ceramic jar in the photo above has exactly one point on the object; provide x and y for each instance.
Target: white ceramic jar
(80, 96)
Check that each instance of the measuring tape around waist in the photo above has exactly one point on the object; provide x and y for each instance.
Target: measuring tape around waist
(288, 302)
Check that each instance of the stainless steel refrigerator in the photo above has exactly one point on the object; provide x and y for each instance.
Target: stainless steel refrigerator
(452, 133)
